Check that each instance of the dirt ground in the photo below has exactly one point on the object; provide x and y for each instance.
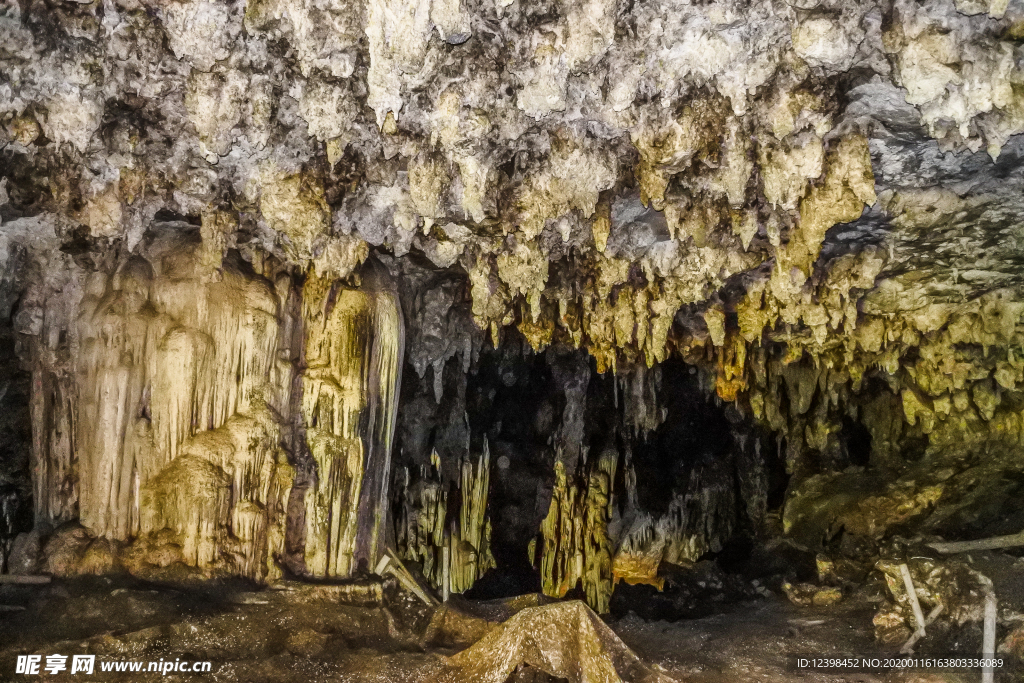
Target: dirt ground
(298, 632)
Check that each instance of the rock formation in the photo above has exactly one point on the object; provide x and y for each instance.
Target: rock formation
(261, 261)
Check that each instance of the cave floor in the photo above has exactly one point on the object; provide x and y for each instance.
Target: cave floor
(303, 634)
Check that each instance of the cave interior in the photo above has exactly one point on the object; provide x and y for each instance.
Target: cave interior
(600, 341)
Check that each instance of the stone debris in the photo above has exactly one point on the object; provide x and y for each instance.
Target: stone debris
(809, 594)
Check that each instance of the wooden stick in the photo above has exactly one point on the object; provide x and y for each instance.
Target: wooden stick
(1010, 541)
(912, 594)
(33, 579)
(908, 646)
(988, 641)
(390, 564)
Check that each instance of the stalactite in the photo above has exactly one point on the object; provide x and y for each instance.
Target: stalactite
(573, 376)
(762, 196)
(641, 410)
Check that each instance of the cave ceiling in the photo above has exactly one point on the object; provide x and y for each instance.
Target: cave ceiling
(754, 186)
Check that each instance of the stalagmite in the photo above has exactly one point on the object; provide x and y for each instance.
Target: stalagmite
(421, 523)
(566, 640)
(174, 431)
(699, 519)
(558, 550)
(640, 553)
(597, 570)
(470, 554)
(576, 547)
(452, 556)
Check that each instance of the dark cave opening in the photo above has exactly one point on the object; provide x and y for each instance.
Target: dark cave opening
(15, 439)
(857, 440)
(520, 401)
(695, 434)
(511, 402)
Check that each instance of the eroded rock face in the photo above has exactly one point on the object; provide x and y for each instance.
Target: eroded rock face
(187, 407)
(817, 204)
